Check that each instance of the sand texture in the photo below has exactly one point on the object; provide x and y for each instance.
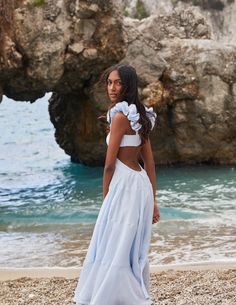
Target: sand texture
(171, 287)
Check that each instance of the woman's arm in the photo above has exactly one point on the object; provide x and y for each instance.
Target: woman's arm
(117, 130)
(149, 165)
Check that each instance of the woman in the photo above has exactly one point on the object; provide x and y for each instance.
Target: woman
(116, 267)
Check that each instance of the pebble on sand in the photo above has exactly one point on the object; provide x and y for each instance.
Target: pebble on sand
(208, 287)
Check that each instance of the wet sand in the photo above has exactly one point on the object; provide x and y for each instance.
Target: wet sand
(200, 284)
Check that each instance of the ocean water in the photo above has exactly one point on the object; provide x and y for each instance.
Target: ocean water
(48, 205)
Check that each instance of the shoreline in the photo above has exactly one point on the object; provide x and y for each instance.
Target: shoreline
(7, 273)
(198, 283)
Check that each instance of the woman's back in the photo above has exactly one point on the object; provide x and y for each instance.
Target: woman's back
(130, 146)
(129, 153)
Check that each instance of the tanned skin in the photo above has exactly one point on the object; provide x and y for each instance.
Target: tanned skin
(127, 154)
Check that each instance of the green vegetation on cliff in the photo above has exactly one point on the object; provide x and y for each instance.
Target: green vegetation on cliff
(206, 4)
(140, 10)
(38, 2)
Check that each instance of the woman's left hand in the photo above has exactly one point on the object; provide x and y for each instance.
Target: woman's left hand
(156, 213)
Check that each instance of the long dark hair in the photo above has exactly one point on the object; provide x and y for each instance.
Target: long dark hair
(130, 94)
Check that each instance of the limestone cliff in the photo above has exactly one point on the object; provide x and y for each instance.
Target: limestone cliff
(190, 78)
(219, 13)
(59, 46)
(187, 73)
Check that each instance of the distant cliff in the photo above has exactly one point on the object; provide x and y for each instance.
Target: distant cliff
(187, 72)
(219, 13)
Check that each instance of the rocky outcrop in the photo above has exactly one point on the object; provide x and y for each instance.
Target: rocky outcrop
(186, 74)
(220, 14)
(201, 103)
(62, 46)
(59, 46)
(78, 130)
(189, 79)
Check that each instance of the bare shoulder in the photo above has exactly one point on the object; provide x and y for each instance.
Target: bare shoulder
(119, 119)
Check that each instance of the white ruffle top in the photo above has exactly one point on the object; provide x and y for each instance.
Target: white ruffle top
(133, 116)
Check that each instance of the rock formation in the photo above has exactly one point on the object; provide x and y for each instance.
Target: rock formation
(59, 46)
(187, 73)
(190, 79)
(220, 14)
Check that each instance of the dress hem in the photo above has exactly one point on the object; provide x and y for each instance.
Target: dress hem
(88, 303)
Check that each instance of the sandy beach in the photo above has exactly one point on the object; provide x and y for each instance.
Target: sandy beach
(200, 283)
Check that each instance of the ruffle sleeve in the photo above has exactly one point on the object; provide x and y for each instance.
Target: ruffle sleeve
(151, 114)
(132, 114)
(129, 110)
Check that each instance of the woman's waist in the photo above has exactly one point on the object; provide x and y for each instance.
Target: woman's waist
(124, 176)
(131, 163)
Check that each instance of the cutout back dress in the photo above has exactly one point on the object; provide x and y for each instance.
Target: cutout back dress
(115, 270)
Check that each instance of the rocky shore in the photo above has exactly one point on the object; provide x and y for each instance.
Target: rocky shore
(170, 287)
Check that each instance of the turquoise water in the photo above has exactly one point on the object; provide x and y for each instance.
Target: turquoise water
(48, 206)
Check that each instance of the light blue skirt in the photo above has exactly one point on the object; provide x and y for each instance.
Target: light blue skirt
(116, 267)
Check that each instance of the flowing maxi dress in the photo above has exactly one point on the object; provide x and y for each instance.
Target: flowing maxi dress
(115, 270)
